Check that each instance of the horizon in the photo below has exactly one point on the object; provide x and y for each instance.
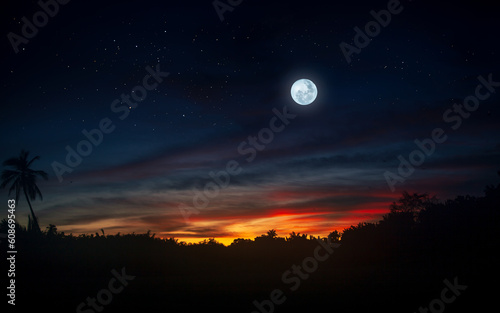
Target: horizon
(227, 240)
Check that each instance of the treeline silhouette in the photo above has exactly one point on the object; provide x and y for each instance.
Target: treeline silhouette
(395, 265)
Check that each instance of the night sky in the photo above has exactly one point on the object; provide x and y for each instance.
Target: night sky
(329, 166)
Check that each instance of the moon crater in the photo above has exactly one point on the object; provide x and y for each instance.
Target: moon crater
(304, 92)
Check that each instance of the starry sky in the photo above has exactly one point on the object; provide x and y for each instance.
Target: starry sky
(328, 167)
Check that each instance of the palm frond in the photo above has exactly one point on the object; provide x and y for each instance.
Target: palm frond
(32, 160)
(7, 177)
(13, 162)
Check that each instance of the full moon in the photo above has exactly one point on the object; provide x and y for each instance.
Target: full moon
(304, 91)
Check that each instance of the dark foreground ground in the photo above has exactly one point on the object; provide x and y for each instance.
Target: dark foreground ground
(397, 265)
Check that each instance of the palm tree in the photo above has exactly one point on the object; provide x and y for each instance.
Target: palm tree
(272, 233)
(22, 177)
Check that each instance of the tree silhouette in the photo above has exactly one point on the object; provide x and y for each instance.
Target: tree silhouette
(272, 233)
(297, 237)
(411, 204)
(241, 242)
(293, 236)
(23, 178)
(334, 236)
(51, 230)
